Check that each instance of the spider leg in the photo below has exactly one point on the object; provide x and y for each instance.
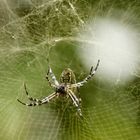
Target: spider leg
(30, 104)
(52, 77)
(74, 96)
(48, 98)
(40, 102)
(47, 77)
(29, 97)
(75, 101)
(92, 72)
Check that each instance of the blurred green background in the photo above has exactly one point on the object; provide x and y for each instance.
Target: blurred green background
(33, 31)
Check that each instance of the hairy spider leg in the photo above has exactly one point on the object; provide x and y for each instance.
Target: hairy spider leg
(40, 102)
(51, 96)
(29, 97)
(52, 77)
(75, 102)
(92, 72)
(49, 81)
(74, 96)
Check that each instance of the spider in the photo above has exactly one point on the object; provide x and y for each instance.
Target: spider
(67, 86)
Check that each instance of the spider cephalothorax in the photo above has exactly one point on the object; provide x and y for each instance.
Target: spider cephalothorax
(67, 87)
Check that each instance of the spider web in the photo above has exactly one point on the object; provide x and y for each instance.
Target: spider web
(33, 32)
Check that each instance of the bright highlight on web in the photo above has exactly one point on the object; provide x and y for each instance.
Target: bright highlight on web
(116, 44)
